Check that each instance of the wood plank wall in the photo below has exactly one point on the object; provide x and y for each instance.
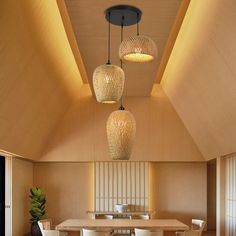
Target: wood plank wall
(121, 182)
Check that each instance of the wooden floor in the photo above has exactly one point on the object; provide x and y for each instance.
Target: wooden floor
(209, 233)
(206, 233)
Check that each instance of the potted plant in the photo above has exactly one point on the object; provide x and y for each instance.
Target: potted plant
(37, 209)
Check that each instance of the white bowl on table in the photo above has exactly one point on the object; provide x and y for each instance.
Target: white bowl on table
(121, 207)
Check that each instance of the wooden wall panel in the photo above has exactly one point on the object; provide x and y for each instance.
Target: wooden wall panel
(179, 190)
(22, 181)
(121, 182)
(69, 189)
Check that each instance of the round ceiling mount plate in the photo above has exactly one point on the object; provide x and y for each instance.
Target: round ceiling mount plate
(126, 14)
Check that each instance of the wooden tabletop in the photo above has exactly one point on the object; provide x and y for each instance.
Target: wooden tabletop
(101, 224)
(121, 213)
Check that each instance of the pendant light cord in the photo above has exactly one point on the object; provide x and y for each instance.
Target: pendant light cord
(109, 40)
(121, 62)
(121, 104)
(137, 24)
(121, 36)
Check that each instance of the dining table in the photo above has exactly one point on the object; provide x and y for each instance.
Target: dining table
(121, 224)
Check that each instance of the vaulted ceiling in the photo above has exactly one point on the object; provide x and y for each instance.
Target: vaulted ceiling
(39, 77)
(49, 49)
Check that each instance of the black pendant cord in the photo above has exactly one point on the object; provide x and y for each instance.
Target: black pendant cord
(109, 41)
(137, 24)
(121, 37)
(121, 104)
(121, 62)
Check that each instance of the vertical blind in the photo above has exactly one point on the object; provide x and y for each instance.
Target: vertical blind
(121, 182)
(231, 195)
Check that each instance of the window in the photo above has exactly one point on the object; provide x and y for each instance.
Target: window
(231, 195)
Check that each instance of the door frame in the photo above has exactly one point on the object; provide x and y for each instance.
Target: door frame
(8, 193)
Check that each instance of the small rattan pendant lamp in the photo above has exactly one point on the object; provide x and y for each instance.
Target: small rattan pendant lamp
(108, 79)
(138, 48)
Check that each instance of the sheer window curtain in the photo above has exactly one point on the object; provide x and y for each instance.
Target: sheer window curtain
(230, 196)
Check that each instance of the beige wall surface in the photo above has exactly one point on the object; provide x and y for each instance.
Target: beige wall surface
(179, 190)
(161, 135)
(69, 189)
(200, 75)
(22, 181)
(176, 190)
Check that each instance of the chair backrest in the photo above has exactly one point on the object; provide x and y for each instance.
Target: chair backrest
(196, 228)
(40, 226)
(198, 224)
(89, 232)
(142, 217)
(108, 217)
(45, 224)
(145, 232)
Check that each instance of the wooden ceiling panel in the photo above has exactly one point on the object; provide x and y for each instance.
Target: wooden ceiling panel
(38, 78)
(200, 76)
(90, 28)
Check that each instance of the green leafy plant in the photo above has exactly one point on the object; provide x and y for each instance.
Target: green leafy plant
(37, 204)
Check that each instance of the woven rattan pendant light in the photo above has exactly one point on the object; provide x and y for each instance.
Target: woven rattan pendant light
(121, 130)
(138, 48)
(108, 79)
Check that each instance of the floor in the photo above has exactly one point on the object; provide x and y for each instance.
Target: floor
(209, 233)
(206, 233)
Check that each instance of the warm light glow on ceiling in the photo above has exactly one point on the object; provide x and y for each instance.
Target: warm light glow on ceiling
(48, 31)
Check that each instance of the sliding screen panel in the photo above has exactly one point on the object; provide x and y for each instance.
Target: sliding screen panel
(231, 196)
(121, 182)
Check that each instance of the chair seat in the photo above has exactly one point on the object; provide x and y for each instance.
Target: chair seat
(53, 233)
(145, 232)
(89, 232)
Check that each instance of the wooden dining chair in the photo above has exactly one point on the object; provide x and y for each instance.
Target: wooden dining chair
(46, 228)
(89, 232)
(198, 224)
(146, 232)
(196, 228)
(141, 217)
(108, 217)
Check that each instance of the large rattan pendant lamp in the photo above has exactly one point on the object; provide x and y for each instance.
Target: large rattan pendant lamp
(121, 130)
(121, 127)
(138, 48)
(108, 79)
